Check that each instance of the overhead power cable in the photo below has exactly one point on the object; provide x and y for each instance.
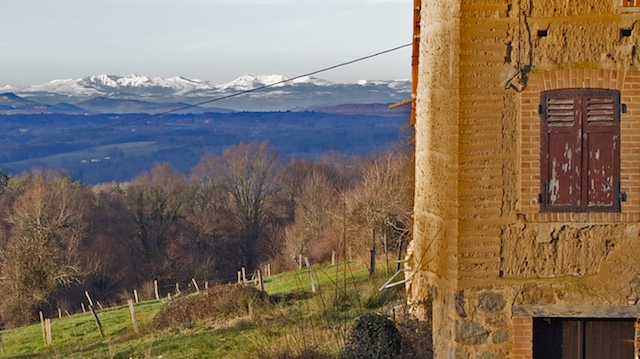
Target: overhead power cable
(237, 94)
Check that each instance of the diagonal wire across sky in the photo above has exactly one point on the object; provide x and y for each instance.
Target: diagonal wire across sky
(236, 94)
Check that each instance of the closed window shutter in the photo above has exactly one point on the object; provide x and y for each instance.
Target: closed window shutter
(561, 152)
(580, 150)
(601, 151)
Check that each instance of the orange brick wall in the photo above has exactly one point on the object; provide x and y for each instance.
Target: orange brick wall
(522, 338)
(628, 83)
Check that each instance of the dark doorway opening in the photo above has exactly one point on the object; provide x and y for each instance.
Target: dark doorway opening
(559, 338)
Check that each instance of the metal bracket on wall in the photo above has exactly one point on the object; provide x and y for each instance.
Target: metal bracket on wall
(389, 284)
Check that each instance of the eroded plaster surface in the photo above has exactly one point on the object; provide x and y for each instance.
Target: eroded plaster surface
(481, 245)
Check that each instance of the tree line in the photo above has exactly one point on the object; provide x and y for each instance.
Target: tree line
(244, 208)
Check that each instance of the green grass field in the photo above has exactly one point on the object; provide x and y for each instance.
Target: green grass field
(294, 321)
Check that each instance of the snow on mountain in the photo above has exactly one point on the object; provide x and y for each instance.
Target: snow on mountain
(68, 87)
(100, 85)
(280, 94)
(8, 88)
(133, 81)
(311, 80)
(107, 85)
(394, 84)
(250, 82)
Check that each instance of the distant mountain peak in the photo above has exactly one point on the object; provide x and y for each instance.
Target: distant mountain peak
(281, 93)
(9, 96)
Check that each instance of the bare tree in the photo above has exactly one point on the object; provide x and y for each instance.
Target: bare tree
(311, 234)
(41, 249)
(155, 202)
(248, 183)
(383, 200)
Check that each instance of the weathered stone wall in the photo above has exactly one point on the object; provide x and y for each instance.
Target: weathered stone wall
(435, 216)
(482, 326)
(481, 244)
(488, 128)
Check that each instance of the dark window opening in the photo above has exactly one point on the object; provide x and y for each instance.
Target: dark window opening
(557, 338)
(580, 150)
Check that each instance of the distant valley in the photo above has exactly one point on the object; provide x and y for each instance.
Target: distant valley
(306, 119)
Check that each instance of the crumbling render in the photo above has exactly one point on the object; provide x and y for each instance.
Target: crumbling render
(555, 250)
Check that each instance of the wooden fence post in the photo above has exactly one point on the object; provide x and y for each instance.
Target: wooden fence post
(44, 331)
(300, 261)
(47, 325)
(244, 275)
(88, 298)
(268, 270)
(83, 308)
(1, 346)
(195, 284)
(95, 317)
(135, 295)
(206, 285)
(177, 288)
(313, 285)
(132, 310)
(386, 254)
(260, 282)
(239, 277)
(333, 258)
(155, 287)
(59, 313)
(372, 254)
(99, 305)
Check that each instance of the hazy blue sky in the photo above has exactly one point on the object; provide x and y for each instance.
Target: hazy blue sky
(215, 40)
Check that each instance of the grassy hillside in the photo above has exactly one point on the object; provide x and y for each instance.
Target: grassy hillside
(292, 321)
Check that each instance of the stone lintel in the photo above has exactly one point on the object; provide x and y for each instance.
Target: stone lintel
(576, 311)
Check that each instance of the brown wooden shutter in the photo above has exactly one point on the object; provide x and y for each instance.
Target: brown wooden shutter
(580, 150)
(601, 151)
(560, 152)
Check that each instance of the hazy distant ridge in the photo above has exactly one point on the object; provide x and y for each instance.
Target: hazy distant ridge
(301, 92)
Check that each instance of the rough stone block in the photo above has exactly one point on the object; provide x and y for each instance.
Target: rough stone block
(500, 336)
(491, 302)
(471, 333)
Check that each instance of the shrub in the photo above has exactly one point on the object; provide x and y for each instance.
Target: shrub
(223, 301)
(374, 336)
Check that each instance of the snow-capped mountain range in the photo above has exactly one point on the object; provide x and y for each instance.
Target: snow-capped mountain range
(280, 94)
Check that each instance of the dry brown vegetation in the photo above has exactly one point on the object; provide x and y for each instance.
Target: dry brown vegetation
(245, 208)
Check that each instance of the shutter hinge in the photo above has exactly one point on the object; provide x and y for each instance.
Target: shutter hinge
(623, 107)
(621, 195)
